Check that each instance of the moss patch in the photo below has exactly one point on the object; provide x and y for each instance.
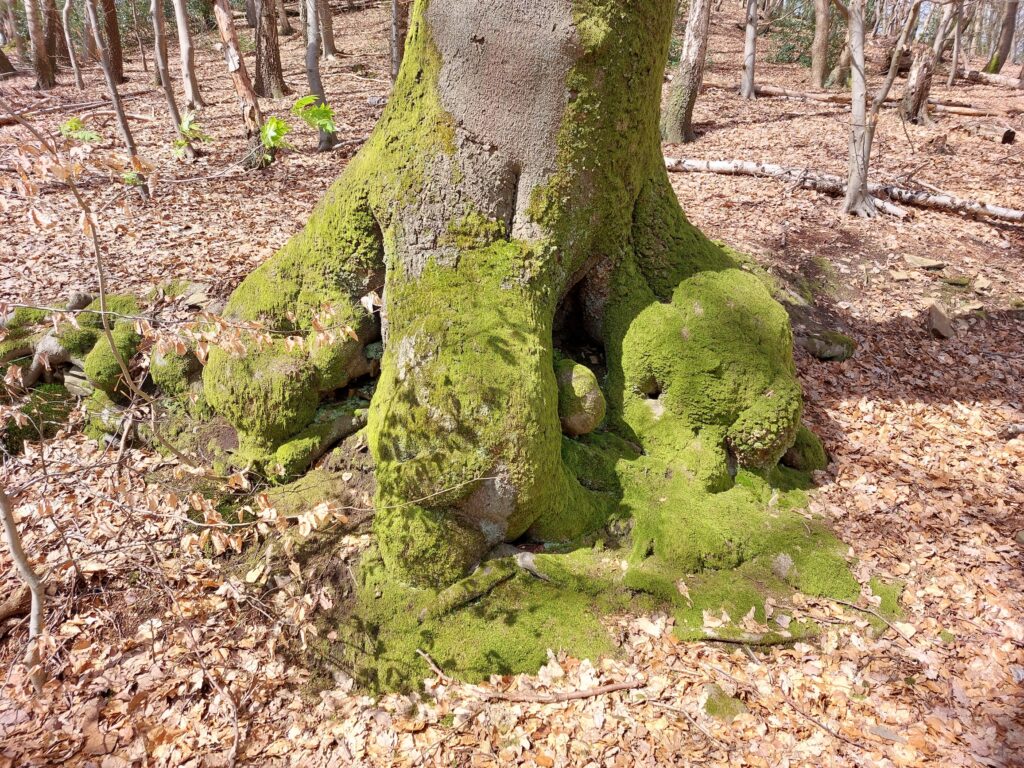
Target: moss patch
(807, 454)
(47, 409)
(101, 364)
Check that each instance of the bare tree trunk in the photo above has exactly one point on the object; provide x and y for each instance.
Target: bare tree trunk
(677, 116)
(156, 12)
(193, 99)
(45, 73)
(35, 586)
(138, 37)
(957, 34)
(284, 27)
(71, 46)
(749, 51)
(56, 46)
(399, 30)
(316, 87)
(269, 80)
(327, 29)
(251, 14)
(6, 68)
(819, 46)
(115, 100)
(942, 31)
(252, 118)
(858, 199)
(12, 25)
(1006, 30)
(90, 51)
(112, 32)
(914, 107)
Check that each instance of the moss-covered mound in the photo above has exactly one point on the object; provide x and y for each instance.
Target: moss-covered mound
(45, 412)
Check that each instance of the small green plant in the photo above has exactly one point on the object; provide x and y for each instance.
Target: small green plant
(315, 113)
(189, 132)
(273, 132)
(74, 128)
(131, 178)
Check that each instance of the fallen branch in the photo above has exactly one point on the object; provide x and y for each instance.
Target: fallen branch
(836, 186)
(985, 78)
(560, 696)
(948, 107)
(692, 720)
(84, 106)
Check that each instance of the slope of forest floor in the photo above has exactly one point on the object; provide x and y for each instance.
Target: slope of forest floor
(166, 655)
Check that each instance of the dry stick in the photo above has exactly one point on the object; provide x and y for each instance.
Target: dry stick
(35, 585)
(793, 704)
(560, 696)
(692, 720)
(433, 665)
(85, 106)
(833, 185)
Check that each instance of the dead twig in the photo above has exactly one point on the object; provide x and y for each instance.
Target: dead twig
(692, 720)
(537, 697)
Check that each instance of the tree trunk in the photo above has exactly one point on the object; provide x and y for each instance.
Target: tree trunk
(135, 164)
(316, 87)
(942, 31)
(112, 33)
(269, 81)
(914, 107)
(156, 13)
(90, 51)
(138, 38)
(749, 51)
(6, 68)
(399, 29)
(677, 116)
(957, 43)
(519, 216)
(258, 156)
(819, 46)
(252, 15)
(327, 29)
(56, 44)
(193, 99)
(12, 26)
(1006, 30)
(46, 76)
(79, 83)
(284, 27)
(858, 199)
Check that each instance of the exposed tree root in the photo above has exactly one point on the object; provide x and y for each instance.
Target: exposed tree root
(834, 185)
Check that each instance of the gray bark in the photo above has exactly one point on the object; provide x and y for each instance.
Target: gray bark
(677, 117)
(399, 30)
(914, 107)
(316, 86)
(46, 77)
(819, 46)
(1007, 28)
(327, 29)
(193, 99)
(749, 51)
(71, 46)
(269, 80)
(858, 199)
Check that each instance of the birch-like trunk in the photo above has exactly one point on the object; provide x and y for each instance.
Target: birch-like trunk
(330, 48)
(71, 46)
(316, 86)
(193, 99)
(677, 115)
(749, 51)
(858, 198)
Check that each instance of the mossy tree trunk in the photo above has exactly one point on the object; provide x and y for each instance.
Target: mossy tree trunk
(512, 204)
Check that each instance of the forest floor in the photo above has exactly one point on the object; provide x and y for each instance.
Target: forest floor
(161, 655)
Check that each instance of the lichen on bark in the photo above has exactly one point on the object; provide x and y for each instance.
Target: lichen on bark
(514, 182)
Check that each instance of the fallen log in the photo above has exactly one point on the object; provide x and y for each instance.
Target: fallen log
(84, 106)
(974, 76)
(954, 108)
(1002, 134)
(834, 185)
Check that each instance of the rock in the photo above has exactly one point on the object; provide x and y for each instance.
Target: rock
(807, 454)
(899, 276)
(825, 344)
(938, 321)
(920, 262)
(957, 281)
(581, 404)
(982, 284)
(76, 383)
(79, 300)
(721, 705)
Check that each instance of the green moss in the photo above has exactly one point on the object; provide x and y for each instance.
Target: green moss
(807, 454)
(104, 416)
(313, 488)
(581, 404)
(101, 365)
(890, 593)
(947, 637)
(172, 372)
(79, 340)
(47, 409)
(721, 705)
(26, 317)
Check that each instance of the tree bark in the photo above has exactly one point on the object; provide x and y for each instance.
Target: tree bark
(156, 13)
(819, 46)
(327, 29)
(46, 77)
(193, 99)
(79, 83)
(399, 30)
(957, 43)
(252, 15)
(316, 87)
(914, 107)
(677, 116)
(749, 51)
(987, 79)
(6, 68)
(138, 38)
(284, 27)
(269, 81)
(1002, 49)
(56, 45)
(858, 199)
(517, 215)
(112, 33)
(252, 118)
(12, 26)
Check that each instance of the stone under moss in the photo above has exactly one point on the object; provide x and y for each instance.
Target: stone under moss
(172, 372)
(101, 364)
(581, 404)
(807, 453)
(47, 409)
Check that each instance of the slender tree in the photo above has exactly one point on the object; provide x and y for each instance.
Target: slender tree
(12, 29)
(156, 13)
(46, 76)
(269, 79)
(399, 30)
(819, 46)
(56, 44)
(1006, 29)
(90, 51)
(284, 26)
(112, 33)
(251, 14)
(193, 99)
(749, 51)
(134, 161)
(138, 36)
(677, 115)
(316, 87)
(252, 118)
(66, 12)
(330, 47)
(6, 68)
(957, 43)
